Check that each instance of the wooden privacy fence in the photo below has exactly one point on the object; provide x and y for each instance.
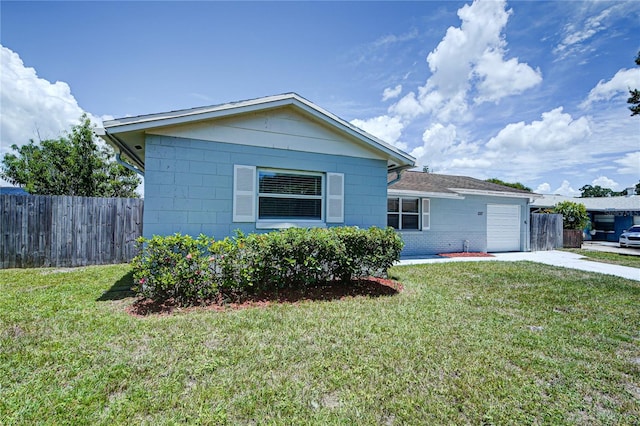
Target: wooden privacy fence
(41, 230)
(546, 231)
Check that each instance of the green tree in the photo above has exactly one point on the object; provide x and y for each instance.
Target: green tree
(574, 215)
(73, 164)
(589, 191)
(516, 185)
(634, 98)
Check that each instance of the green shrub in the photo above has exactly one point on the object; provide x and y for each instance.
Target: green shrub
(369, 252)
(190, 270)
(174, 267)
(574, 215)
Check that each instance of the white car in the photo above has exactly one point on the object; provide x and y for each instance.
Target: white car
(630, 237)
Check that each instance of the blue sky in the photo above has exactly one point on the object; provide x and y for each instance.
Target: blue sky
(533, 92)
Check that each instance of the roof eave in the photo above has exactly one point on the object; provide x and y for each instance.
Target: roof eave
(424, 194)
(505, 194)
(120, 146)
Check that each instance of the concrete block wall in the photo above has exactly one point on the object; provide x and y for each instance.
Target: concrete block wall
(189, 184)
(419, 243)
(455, 220)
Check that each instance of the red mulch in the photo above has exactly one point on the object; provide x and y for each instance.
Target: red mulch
(466, 254)
(369, 287)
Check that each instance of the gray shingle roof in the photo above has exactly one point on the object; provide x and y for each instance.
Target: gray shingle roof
(446, 184)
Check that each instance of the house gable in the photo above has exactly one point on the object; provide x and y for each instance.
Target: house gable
(282, 128)
(128, 135)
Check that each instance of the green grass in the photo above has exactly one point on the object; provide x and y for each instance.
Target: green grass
(465, 343)
(607, 257)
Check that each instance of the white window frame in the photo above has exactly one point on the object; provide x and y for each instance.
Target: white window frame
(424, 213)
(332, 198)
(321, 197)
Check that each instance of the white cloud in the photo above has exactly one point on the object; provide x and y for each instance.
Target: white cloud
(471, 66)
(469, 57)
(556, 131)
(451, 61)
(408, 107)
(605, 182)
(630, 164)
(578, 32)
(378, 50)
(392, 39)
(390, 93)
(443, 149)
(582, 28)
(471, 163)
(389, 129)
(543, 188)
(500, 78)
(32, 107)
(619, 84)
(567, 190)
(437, 140)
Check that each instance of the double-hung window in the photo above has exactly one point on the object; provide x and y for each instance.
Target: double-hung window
(408, 213)
(274, 198)
(290, 195)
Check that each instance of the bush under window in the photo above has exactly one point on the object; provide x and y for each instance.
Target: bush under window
(195, 270)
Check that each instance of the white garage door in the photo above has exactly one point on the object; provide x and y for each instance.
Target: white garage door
(503, 227)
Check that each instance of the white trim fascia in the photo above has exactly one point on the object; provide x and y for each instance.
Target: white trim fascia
(171, 118)
(145, 122)
(354, 131)
(495, 193)
(422, 194)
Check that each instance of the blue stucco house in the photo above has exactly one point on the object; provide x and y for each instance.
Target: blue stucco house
(255, 165)
(282, 161)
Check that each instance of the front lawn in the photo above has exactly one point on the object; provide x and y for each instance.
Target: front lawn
(608, 257)
(464, 343)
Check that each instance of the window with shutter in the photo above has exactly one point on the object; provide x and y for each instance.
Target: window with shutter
(284, 195)
(282, 198)
(404, 213)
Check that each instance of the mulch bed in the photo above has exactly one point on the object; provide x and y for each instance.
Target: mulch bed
(368, 287)
(466, 254)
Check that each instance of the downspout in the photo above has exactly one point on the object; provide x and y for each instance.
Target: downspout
(123, 163)
(119, 145)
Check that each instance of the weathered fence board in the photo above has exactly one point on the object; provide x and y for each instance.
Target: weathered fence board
(572, 238)
(39, 230)
(546, 232)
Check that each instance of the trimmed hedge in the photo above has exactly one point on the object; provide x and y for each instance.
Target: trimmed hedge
(195, 270)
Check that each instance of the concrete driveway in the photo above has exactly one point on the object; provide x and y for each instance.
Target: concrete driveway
(554, 258)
